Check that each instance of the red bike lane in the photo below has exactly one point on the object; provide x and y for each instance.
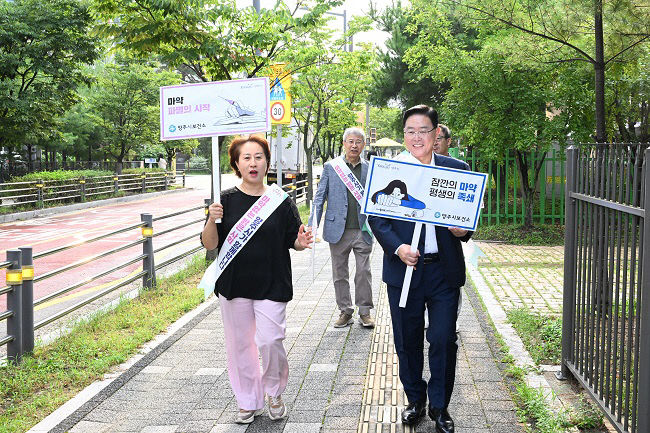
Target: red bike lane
(46, 233)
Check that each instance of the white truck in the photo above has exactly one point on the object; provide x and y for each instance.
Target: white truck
(294, 162)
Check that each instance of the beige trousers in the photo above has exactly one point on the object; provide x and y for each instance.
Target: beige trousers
(352, 240)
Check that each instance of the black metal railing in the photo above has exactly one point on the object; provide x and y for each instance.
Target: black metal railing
(606, 314)
(39, 193)
(20, 276)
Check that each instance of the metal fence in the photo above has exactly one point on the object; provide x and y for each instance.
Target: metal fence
(20, 276)
(20, 168)
(503, 202)
(39, 193)
(606, 314)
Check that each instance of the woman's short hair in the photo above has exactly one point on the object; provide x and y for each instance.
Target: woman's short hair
(234, 150)
(421, 109)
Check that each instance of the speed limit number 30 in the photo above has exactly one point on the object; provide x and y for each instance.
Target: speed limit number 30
(277, 111)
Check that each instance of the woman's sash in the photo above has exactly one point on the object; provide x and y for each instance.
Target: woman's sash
(241, 233)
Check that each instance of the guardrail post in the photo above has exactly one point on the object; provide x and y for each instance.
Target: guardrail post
(39, 193)
(28, 299)
(183, 178)
(82, 188)
(148, 280)
(144, 182)
(14, 278)
(166, 183)
(568, 306)
(116, 184)
(210, 255)
(643, 412)
(294, 193)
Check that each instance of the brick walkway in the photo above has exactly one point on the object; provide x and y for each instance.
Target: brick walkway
(341, 380)
(524, 276)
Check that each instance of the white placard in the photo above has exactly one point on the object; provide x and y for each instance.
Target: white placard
(215, 108)
(431, 194)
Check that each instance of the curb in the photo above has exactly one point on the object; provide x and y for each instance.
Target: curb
(37, 213)
(71, 412)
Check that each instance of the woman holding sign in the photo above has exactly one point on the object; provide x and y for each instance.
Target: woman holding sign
(258, 226)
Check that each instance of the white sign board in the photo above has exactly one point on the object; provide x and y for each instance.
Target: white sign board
(216, 108)
(415, 192)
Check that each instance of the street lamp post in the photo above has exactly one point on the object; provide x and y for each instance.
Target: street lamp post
(346, 47)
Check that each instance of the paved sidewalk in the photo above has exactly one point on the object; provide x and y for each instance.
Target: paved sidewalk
(341, 380)
(524, 276)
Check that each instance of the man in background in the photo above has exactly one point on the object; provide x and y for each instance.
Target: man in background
(344, 229)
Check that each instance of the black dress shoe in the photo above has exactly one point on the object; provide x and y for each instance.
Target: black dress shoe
(413, 413)
(442, 419)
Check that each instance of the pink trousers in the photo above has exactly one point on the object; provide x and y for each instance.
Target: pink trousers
(251, 326)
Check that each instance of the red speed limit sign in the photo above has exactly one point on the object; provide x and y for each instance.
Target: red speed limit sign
(277, 111)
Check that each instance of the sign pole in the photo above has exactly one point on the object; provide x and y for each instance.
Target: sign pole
(409, 269)
(216, 173)
(314, 232)
(278, 154)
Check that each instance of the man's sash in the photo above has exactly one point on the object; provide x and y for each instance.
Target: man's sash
(241, 233)
(348, 178)
(351, 183)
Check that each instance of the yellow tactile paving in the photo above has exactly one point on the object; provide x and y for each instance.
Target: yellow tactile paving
(384, 395)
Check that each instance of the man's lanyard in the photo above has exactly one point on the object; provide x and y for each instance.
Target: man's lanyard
(241, 233)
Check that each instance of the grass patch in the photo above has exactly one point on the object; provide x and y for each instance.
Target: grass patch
(531, 403)
(547, 235)
(542, 335)
(303, 210)
(57, 372)
(533, 410)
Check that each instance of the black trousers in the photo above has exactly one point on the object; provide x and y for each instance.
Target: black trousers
(408, 334)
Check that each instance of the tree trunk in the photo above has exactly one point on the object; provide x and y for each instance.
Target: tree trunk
(118, 165)
(527, 194)
(30, 163)
(528, 189)
(599, 72)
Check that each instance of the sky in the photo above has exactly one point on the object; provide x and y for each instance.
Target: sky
(352, 8)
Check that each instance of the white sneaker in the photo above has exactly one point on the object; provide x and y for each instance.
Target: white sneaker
(247, 416)
(277, 408)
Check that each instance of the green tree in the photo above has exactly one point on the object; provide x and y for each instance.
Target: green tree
(598, 33)
(43, 46)
(125, 103)
(209, 40)
(394, 81)
(628, 100)
(82, 130)
(388, 122)
(328, 93)
(499, 102)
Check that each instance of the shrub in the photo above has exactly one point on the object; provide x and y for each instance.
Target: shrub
(58, 175)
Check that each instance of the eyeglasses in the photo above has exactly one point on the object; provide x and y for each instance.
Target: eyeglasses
(357, 142)
(411, 133)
